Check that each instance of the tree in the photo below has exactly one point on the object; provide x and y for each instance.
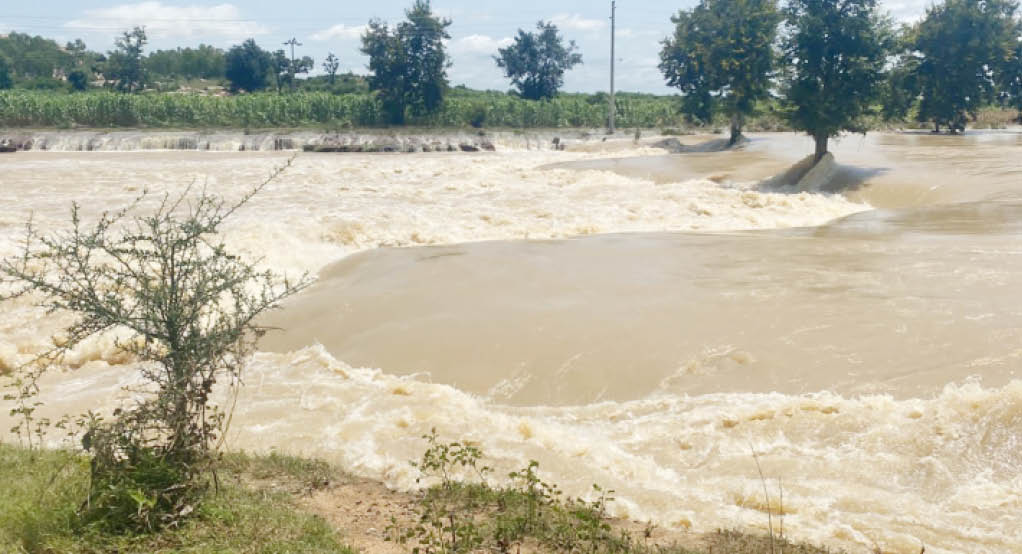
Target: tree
(963, 44)
(281, 69)
(409, 62)
(721, 55)
(303, 66)
(331, 65)
(36, 57)
(1011, 80)
(124, 64)
(5, 74)
(536, 62)
(204, 62)
(248, 66)
(79, 80)
(283, 72)
(835, 51)
(77, 50)
(186, 310)
(900, 88)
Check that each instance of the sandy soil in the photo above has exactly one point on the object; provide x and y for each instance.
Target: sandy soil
(363, 509)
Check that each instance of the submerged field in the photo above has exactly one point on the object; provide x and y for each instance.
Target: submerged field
(648, 322)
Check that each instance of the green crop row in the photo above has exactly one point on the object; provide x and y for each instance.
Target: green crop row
(107, 109)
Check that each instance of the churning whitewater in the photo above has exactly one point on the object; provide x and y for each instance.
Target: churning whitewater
(629, 318)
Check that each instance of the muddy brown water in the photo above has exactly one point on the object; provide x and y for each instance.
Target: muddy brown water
(903, 299)
(638, 320)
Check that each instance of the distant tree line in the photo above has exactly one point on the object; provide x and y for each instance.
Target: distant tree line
(834, 63)
(826, 66)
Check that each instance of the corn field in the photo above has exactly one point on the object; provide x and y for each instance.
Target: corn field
(108, 110)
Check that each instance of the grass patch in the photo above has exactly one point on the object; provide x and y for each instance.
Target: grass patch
(256, 511)
(43, 491)
(737, 542)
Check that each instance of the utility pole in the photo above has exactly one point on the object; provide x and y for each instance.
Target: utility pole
(292, 43)
(613, 105)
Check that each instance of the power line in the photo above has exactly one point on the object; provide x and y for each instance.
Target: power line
(293, 42)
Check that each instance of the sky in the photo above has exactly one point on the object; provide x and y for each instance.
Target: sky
(479, 28)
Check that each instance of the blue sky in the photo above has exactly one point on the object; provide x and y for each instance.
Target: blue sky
(323, 26)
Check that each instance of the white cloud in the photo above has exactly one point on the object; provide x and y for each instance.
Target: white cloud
(479, 44)
(340, 31)
(575, 22)
(163, 21)
(904, 11)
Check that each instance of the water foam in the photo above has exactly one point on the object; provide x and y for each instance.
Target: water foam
(328, 206)
(855, 472)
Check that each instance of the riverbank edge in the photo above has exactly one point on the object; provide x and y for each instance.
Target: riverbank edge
(287, 498)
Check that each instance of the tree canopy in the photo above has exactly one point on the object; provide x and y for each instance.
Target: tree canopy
(31, 57)
(124, 64)
(330, 66)
(408, 63)
(284, 70)
(204, 62)
(536, 62)
(962, 46)
(721, 56)
(1010, 79)
(248, 66)
(5, 74)
(835, 51)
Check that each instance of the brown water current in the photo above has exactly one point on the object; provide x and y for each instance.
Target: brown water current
(667, 316)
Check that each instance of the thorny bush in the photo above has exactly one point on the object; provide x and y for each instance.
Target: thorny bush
(185, 309)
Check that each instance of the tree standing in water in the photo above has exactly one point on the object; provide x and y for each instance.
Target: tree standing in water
(1011, 80)
(964, 47)
(835, 51)
(721, 55)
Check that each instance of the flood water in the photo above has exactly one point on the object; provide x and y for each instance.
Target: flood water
(625, 317)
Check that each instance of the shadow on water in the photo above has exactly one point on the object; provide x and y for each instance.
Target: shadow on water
(827, 176)
(675, 146)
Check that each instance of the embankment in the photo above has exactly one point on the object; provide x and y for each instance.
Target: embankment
(278, 141)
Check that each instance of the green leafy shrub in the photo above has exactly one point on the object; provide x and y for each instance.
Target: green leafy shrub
(186, 309)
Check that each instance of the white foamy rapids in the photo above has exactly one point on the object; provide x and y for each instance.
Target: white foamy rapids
(941, 472)
(261, 141)
(855, 473)
(328, 206)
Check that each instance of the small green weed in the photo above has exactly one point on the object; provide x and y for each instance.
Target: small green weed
(456, 517)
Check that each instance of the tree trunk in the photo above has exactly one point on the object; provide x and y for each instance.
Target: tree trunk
(736, 129)
(821, 146)
(936, 127)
